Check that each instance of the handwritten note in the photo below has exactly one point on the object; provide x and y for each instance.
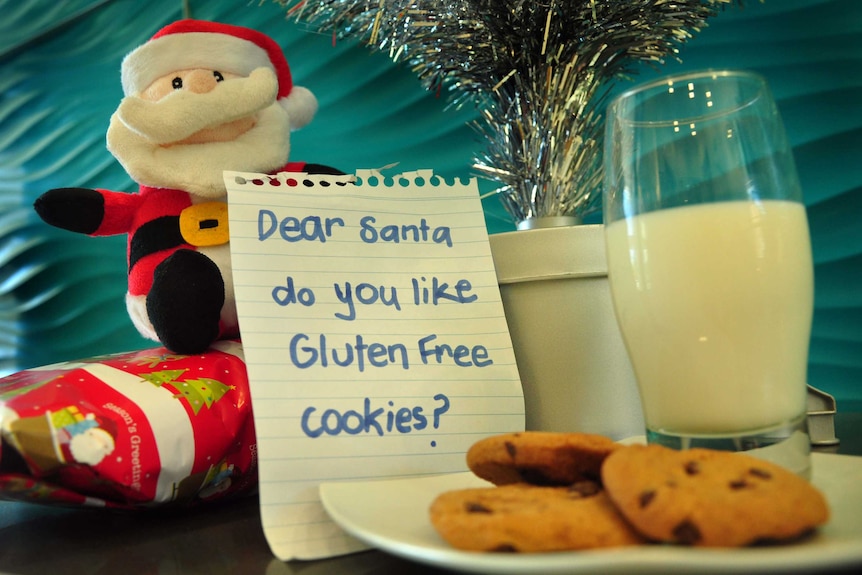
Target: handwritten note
(374, 337)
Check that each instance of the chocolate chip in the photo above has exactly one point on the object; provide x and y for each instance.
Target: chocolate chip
(535, 476)
(738, 484)
(686, 533)
(692, 468)
(761, 473)
(511, 449)
(473, 507)
(646, 497)
(584, 489)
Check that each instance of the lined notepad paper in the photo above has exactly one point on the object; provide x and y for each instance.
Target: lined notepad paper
(374, 337)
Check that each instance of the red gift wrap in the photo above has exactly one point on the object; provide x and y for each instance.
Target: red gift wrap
(132, 430)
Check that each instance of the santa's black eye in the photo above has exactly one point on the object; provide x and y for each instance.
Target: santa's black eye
(177, 83)
(217, 75)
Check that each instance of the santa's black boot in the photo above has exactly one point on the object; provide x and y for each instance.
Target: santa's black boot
(184, 304)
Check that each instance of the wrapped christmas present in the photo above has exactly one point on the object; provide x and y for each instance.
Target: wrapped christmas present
(140, 429)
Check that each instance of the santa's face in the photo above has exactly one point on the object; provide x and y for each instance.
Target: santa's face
(91, 446)
(200, 81)
(188, 126)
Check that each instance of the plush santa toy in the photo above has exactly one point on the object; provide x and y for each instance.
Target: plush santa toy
(200, 97)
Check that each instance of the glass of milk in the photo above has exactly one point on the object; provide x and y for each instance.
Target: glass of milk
(710, 264)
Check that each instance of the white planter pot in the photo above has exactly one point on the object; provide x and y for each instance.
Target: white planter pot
(571, 357)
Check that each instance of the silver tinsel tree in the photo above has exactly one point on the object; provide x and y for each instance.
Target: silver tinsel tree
(539, 70)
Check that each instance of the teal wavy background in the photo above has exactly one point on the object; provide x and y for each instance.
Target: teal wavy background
(61, 295)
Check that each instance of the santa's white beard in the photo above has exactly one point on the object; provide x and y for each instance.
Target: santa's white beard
(182, 113)
(197, 168)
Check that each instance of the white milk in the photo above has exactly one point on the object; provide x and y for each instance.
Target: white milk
(715, 303)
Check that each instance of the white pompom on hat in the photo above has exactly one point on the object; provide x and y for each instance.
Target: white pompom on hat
(187, 44)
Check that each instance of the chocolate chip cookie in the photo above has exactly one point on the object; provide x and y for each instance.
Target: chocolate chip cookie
(539, 458)
(522, 518)
(710, 498)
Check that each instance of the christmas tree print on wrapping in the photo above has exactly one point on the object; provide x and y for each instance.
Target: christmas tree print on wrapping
(154, 360)
(203, 391)
(159, 378)
(198, 393)
(14, 386)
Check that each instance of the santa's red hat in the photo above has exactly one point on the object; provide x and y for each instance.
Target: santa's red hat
(189, 44)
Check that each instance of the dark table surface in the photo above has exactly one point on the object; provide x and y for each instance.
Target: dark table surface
(226, 538)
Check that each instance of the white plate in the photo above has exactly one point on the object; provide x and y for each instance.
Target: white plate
(392, 515)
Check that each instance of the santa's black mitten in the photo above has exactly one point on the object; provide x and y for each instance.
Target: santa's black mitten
(75, 209)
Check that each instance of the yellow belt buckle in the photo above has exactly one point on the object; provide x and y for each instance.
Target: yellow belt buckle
(205, 224)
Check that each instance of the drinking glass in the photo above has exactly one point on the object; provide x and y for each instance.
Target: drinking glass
(710, 264)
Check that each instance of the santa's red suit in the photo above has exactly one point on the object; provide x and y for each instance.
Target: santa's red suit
(201, 98)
